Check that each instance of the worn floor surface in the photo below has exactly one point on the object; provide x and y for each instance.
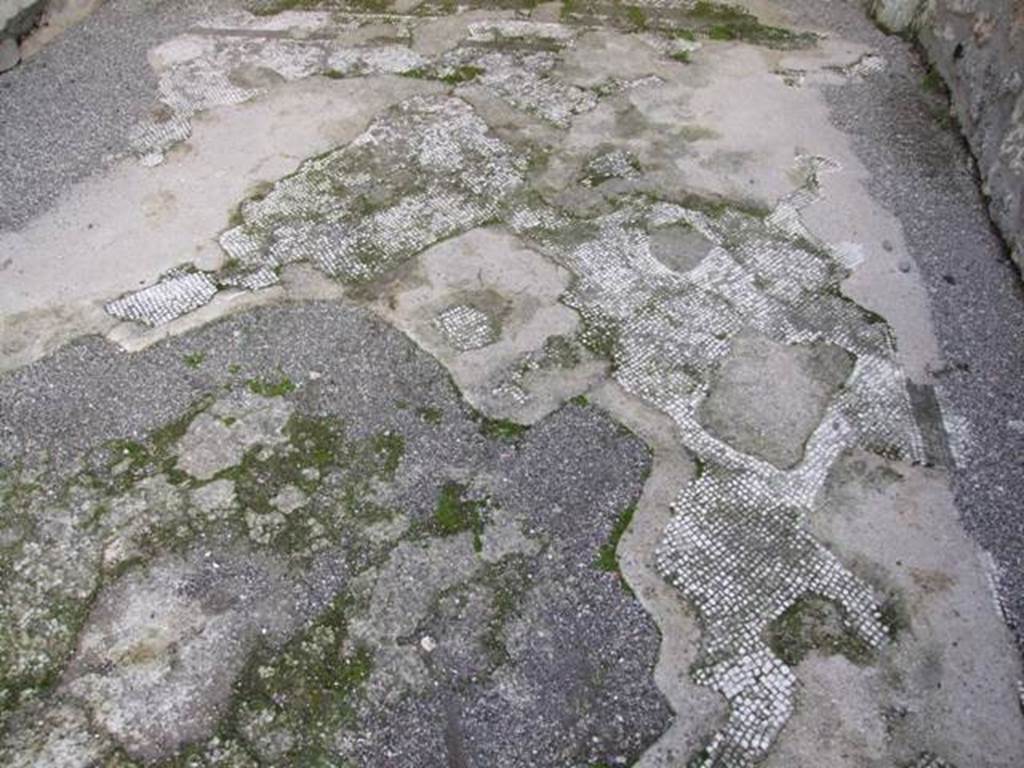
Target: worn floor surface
(501, 384)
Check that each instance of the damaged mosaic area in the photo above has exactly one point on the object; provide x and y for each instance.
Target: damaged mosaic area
(234, 57)
(431, 168)
(306, 571)
(465, 327)
(736, 547)
(425, 171)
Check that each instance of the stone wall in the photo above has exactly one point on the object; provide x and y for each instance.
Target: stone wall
(977, 46)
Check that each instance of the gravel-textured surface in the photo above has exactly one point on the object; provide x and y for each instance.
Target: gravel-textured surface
(518, 650)
(523, 649)
(66, 112)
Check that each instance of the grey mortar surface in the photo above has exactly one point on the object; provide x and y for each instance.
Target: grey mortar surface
(921, 171)
(158, 662)
(779, 427)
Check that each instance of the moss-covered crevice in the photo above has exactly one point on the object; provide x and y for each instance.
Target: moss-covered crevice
(501, 429)
(509, 582)
(496, 592)
(608, 555)
(122, 462)
(720, 21)
(600, 335)
(274, 7)
(277, 386)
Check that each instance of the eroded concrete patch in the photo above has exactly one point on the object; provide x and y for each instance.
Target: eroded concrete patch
(219, 437)
(533, 363)
(768, 398)
(158, 656)
(938, 689)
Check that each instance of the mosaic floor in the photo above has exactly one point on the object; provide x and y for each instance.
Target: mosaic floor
(397, 631)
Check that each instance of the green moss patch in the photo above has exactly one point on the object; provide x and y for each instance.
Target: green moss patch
(560, 351)
(455, 513)
(600, 336)
(894, 615)
(318, 451)
(388, 449)
(933, 82)
(274, 7)
(729, 22)
(462, 74)
(636, 17)
(509, 581)
(307, 690)
(502, 429)
(607, 556)
(815, 624)
(266, 387)
(124, 462)
(717, 21)
(430, 414)
(194, 359)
